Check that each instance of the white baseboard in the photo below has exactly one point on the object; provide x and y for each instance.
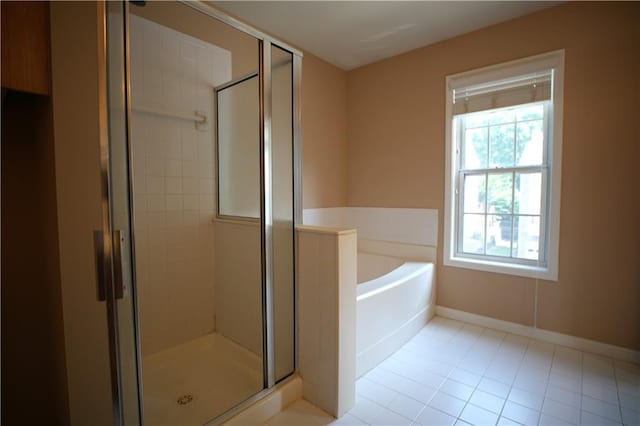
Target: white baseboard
(612, 351)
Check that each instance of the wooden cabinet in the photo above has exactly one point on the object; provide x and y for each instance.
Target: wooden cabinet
(26, 46)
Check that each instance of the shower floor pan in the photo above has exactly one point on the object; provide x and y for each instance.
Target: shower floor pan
(192, 383)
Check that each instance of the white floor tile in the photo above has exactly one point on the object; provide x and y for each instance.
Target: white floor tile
(478, 416)
(377, 375)
(547, 420)
(629, 387)
(493, 335)
(434, 380)
(392, 364)
(405, 406)
(520, 413)
(348, 420)
(503, 421)
(601, 408)
(630, 416)
(457, 389)
(494, 387)
(375, 392)
(394, 381)
(590, 419)
(571, 383)
(447, 404)
(504, 372)
(594, 362)
(568, 413)
(629, 401)
(475, 364)
(567, 368)
(536, 362)
(487, 401)
(600, 391)
(418, 392)
(438, 367)
(563, 395)
(430, 379)
(365, 409)
(533, 380)
(526, 398)
(466, 377)
(432, 417)
(388, 417)
(508, 355)
(564, 353)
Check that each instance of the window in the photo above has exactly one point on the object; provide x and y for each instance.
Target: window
(502, 192)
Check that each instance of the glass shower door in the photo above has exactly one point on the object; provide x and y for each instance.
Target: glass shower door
(197, 220)
(201, 184)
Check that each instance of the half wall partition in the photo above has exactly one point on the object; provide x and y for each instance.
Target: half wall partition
(203, 190)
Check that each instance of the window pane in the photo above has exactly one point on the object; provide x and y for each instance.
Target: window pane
(526, 238)
(476, 120)
(501, 116)
(528, 194)
(530, 112)
(530, 138)
(500, 192)
(474, 194)
(501, 145)
(499, 235)
(475, 148)
(473, 234)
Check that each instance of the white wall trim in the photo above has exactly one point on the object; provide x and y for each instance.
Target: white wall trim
(616, 352)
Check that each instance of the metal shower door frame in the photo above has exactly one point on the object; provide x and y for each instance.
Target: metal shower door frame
(107, 241)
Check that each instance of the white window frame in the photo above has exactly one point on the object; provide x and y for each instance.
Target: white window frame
(547, 267)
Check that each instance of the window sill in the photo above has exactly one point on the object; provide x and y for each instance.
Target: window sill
(538, 272)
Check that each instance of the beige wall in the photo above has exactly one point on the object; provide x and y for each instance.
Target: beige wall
(396, 159)
(324, 134)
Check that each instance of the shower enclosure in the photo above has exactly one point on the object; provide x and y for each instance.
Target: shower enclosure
(201, 189)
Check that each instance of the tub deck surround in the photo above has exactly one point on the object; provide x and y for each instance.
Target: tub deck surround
(417, 227)
(327, 316)
(410, 234)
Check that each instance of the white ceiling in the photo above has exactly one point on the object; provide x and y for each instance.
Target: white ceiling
(350, 34)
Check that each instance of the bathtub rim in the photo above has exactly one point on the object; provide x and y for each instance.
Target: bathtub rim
(394, 278)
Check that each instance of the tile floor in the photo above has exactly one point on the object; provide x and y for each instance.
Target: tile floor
(457, 373)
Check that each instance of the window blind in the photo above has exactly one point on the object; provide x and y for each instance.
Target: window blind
(519, 90)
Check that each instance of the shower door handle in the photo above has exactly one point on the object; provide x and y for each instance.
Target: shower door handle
(118, 277)
(102, 269)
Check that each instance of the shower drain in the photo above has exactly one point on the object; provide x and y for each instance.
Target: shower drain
(185, 399)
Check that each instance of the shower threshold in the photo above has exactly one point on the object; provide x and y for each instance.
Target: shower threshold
(194, 382)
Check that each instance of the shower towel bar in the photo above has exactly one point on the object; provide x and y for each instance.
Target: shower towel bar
(198, 117)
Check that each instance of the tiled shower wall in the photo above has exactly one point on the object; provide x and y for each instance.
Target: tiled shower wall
(173, 181)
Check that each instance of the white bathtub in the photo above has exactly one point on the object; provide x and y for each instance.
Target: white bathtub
(394, 301)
